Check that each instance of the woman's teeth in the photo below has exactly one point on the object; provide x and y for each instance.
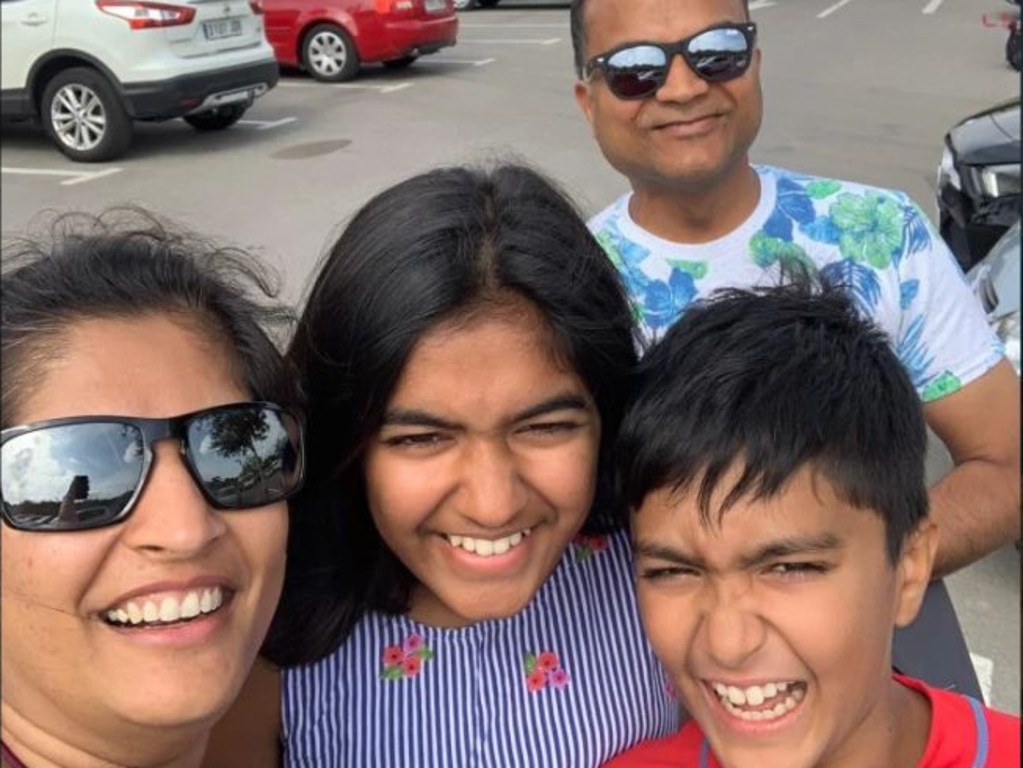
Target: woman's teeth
(760, 702)
(167, 609)
(487, 547)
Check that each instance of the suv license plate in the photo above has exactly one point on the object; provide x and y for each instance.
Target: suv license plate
(215, 30)
(435, 6)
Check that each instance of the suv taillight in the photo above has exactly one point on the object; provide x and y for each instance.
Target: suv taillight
(147, 15)
(256, 6)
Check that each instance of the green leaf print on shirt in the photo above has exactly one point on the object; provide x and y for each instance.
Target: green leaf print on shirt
(609, 248)
(945, 384)
(767, 251)
(698, 269)
(821, 188)
(871, 228)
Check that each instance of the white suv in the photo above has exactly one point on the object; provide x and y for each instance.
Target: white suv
(87, 68)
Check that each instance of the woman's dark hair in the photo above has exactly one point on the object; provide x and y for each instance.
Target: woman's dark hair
(442, 246)
(126, 263)
(769, 381)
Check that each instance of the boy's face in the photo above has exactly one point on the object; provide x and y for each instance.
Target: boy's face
(776, 625)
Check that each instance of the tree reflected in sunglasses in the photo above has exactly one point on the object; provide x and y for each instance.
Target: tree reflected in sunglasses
(637, 70)
(87, 472)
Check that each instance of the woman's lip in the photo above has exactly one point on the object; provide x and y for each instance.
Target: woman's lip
(180, 634)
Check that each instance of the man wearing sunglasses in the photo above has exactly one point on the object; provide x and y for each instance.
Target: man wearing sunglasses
(671, 89)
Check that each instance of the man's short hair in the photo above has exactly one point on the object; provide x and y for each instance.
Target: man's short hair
(769, 381)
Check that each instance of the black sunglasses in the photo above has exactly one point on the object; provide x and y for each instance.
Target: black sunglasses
(636, 70)
(86, 472)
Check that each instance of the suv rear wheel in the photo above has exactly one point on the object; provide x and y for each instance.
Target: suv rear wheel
(84, 116)
(216, 119)
(329, 54)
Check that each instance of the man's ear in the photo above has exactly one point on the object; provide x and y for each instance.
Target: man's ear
(582, 98)
(914, 571)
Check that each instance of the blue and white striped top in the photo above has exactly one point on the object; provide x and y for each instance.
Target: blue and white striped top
(567, 683)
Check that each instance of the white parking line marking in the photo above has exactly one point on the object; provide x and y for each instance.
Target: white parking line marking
(932, 6)
(984, 667)
(349, 86)
(549, 41)
(265, 125)
(827, 12)
(756, 5)
(75, 177)
(523, 26)
(473, 62)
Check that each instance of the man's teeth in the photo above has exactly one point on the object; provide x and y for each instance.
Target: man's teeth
(168, 609)
(488, 547)
(780, 697)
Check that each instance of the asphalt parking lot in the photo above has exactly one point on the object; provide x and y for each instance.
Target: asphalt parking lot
(861, 89)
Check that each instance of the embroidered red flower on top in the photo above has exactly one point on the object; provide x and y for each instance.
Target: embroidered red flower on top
(586, 545)
(543, 669)
(406, 659)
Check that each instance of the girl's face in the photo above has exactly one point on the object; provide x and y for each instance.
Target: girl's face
(69, 670)
(485, 466)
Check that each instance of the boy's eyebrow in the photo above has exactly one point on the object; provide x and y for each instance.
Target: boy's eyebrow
(786, 547)
(414, 417)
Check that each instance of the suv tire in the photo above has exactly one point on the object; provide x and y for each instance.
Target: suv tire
(488, 3)
(83, 115)
(216, 119)
(329, 54)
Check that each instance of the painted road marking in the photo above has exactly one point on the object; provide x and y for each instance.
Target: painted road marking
(756, 5)
(348, 86)
(74, 177)
(473, 62)
(265, 125)
(827, 12)
(985, 669)
(549, 41)
(932, 6)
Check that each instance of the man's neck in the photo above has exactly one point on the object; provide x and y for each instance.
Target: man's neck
(698, 214)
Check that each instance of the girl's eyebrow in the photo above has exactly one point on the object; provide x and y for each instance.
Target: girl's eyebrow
(414, 417)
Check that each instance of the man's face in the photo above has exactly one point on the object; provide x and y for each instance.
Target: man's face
(689, 135)
(775, 625)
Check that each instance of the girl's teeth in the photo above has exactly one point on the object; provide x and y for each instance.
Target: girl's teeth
(171, 608)
(488, 547)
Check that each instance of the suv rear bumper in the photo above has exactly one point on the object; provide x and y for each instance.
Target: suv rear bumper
(166, 99)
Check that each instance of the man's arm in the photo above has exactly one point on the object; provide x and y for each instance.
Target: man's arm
(977, 505)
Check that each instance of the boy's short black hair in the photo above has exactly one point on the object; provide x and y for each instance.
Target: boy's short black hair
(772, 380)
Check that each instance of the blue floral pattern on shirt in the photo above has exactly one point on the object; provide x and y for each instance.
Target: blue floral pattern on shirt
(874, 241)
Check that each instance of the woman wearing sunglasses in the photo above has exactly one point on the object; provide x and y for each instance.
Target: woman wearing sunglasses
(146, 459)
(459, 589)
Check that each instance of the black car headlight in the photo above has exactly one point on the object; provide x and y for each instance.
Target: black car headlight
(998, 180)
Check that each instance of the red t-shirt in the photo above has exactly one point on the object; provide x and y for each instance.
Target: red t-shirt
(955, 741)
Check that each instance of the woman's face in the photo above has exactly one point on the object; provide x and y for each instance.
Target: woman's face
(484, 468)
(66, 668)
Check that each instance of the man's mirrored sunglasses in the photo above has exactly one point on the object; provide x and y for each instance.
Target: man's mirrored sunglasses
(87, 472)
(637, 70)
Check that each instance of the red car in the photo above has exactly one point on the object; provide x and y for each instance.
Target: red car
(332, 38)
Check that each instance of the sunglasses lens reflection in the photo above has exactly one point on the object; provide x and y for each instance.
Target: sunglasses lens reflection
(85, 475)
(719, 54)
(246, 457)
(73, 476)
(637, 71)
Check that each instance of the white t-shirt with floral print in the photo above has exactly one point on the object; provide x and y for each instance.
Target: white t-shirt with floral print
(876, 241)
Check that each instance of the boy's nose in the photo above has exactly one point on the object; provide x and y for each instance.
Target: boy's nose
(733, 629)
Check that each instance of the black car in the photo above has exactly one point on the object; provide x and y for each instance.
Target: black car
(979, 181)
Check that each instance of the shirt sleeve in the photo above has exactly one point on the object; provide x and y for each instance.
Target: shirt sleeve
(943, 339)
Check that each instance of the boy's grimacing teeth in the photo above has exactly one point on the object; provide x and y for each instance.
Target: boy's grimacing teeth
(487, 547)
(167, 609)
(769, 701)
